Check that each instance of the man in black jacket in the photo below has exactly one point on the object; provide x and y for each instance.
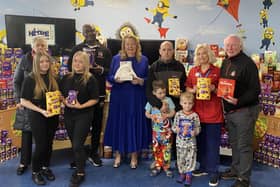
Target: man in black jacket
(241, 110)
(165, 69)
(100, 59)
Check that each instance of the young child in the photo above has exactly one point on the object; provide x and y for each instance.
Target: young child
(187, 126)
(161, 125)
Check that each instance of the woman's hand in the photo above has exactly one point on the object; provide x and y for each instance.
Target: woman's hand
(45, 113)
(118, 80)
(137, 80)
(212, 88)
(77, 105)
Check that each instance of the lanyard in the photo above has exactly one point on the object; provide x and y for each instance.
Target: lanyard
(206, 75)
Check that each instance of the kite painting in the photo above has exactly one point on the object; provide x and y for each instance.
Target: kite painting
(231, 6)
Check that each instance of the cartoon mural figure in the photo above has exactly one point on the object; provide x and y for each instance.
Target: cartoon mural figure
(241, 32)
(3, 44)
(231, 7)
(81, 3)
(268, 37)
(267, 4)
(224, 3)
(161, 12)
(125, 29)
(264, 18)
(159, 15)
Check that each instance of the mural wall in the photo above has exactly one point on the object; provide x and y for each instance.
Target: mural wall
(201, 21)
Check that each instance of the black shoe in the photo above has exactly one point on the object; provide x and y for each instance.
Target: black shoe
(214, 180)
(228, 174)
(48, 174)
(38, 179)
(241, 183)
(21, 170)
(198, 173)
(95, 160)
(73, 165)
(76, 179)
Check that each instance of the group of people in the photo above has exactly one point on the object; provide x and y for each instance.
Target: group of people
(143, 110)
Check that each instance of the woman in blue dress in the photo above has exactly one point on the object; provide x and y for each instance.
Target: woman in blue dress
(127, 129)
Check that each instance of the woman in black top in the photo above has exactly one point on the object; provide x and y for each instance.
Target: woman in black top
(78, 113)
(23, 69)
(43, 126)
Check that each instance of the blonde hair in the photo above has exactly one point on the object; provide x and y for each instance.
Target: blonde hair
(187, 96)
(138, 47)
(40, 86)
(85, 59)
(210, 53)
(39, 39)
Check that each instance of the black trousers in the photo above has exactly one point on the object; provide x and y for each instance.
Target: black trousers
(43, 130)
(96, 126)
(78, 127)
(26, 148)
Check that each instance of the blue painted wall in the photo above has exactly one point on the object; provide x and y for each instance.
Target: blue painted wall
(201, 21)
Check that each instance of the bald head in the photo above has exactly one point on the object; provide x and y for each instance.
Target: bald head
(166, 51)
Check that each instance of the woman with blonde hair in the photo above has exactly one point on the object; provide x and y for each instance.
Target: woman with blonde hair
(209, 111)
(43, 126)
(127, 129)
(38, 44)
(80, 93)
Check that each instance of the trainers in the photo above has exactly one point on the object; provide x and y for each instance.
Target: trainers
(228, 174)
(169, 173)
(21, 169)
(214, 181)
(241, 183)
(76, 179)
(48, 174)
(38, 179)
(73, 165)
(181, 178)
(188, 180)
(153, 165)
(95, 160)
(198, 173)
(155, 172)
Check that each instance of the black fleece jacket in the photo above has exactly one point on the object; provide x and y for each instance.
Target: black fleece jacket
(243, 70)
(160, 70)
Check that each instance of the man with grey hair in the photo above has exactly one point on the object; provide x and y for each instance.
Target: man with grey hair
(241, 110)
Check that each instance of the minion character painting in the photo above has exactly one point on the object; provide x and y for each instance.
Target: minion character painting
(268, 37)
(159, 15)
(126, 29)
(264, 18)
(267, 4)
(77, 4)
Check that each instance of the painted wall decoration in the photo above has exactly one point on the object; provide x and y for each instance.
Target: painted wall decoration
(198, 21)
(268, 32)
(125, 29)
(231, 6)
(3, 44)
(160, 13)
(77, 4)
